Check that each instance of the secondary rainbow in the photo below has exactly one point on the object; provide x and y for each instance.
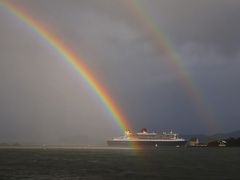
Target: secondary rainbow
(71, 58)
(160, 41)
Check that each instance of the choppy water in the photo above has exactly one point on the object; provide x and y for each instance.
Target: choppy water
(95, 164)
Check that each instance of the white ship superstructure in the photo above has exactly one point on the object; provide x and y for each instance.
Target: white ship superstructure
(145, 138)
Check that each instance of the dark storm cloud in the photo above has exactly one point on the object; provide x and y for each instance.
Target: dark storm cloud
(212, 23)
(42, 99)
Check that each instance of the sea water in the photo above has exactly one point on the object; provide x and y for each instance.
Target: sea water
(107, 163)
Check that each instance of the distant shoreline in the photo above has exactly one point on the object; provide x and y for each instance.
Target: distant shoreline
(100, 147)
(61, 147)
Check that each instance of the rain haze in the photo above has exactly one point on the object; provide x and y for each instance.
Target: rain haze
(44, 100)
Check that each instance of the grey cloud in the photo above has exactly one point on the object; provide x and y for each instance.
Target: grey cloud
(43, 100)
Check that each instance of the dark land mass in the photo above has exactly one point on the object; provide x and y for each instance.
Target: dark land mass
(230, 142)
(208, 138)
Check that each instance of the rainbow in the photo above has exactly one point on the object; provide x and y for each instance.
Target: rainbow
(160, 41)
(72, 59)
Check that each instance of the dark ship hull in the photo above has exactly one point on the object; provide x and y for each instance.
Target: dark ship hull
(121, 143)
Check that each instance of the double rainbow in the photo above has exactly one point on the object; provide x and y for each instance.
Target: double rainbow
(158, 39)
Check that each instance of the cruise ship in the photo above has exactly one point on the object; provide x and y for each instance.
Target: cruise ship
(148, 139)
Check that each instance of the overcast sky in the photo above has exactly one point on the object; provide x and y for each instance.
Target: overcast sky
(42, 99)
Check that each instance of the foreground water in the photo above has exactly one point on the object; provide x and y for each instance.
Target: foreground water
(95, 164)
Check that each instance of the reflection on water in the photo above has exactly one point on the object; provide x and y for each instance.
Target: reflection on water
(106, 163)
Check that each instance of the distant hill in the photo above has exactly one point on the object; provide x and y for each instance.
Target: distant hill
(233, 134)
(206, 138)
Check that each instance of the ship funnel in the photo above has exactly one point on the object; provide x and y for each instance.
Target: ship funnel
(143, 130)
